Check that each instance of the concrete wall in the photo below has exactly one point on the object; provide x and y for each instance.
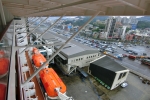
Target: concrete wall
(85, 61)
(118, 81)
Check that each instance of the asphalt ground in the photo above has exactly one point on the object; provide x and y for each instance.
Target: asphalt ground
(82, 90)
(136, 65)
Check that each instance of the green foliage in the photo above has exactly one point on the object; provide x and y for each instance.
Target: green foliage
(143, 24)
(68, 22)
(128, 29)
(96, 30)
(101, 26)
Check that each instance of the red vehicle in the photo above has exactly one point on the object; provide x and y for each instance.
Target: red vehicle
(132, 57)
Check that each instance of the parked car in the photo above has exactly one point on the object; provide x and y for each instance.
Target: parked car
(135, 53)
(124, 84)
(144, 54)
(125, 55)
(145, 61)
(132, 57)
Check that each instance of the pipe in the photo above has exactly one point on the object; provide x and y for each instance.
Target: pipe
(35, 73)
(34, 29)
(43, 33)
(18, 47)
(26, 22)
(31, 24)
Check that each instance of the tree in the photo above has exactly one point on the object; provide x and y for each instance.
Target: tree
(143, 24)
(128, 29)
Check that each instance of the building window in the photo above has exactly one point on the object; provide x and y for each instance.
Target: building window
(91, 56)
(76, 59)
(124, 74)
(120, 76)
(81, 58)
(87, 57)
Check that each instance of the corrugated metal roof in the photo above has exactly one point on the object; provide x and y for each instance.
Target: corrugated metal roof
(109, 64)
(73, 49)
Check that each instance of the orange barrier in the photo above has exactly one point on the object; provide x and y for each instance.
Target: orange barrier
(4, 63)
(2, 91)
(51, 81)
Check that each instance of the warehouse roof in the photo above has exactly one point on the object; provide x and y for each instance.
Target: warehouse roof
(109, 64)
(72, 49)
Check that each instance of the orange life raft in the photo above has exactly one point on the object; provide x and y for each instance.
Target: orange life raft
(2, 91)
(4, 63)
(51, 81)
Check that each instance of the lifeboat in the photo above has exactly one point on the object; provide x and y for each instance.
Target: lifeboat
(4, 63)
(35, 50)
(2, 53)
(51, 81)
(2, 91)
(38, 59)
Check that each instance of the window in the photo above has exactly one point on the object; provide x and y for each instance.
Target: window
(93, 55)
(76, 59)
(124, 74)
(81, 58)
(87, 57)
(120, 76)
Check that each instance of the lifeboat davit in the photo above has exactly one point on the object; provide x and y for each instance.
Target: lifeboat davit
(2, 91)
(51, 81)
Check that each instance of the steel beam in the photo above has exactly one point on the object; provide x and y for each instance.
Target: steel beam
(43, 33)
(132, 5)
(48, 28)
(12, 72)
(34, 29)
(53, 44)
(27, 22)
(40, 68)
(65, 5)
(31, 24)
(2, 13)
